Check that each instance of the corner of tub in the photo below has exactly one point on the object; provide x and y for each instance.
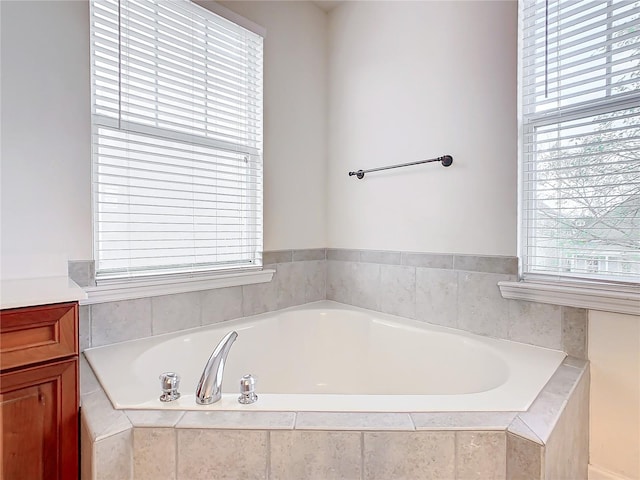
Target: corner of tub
(576, 362)
(99, 419)
(567, 384)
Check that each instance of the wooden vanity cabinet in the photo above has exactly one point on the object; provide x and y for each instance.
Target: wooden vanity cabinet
(39, 392)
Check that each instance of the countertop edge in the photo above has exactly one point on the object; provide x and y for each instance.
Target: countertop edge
(27, 292)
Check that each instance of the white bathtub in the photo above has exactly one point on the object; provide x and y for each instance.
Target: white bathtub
(327, 356)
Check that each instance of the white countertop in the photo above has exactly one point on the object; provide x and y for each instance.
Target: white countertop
(27, 292)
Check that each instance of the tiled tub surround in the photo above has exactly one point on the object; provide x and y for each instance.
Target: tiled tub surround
(458, 291)
(549, 441)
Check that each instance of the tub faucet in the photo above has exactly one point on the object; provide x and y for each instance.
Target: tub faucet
(209, 389)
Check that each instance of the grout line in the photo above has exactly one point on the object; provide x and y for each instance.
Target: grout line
(201, 294)
(362, 455)
(177, 456)
(455, 455)
(90, 310)
(132, 454)
(413, 423)
(268, 462)
(179, 419)
(151, 316)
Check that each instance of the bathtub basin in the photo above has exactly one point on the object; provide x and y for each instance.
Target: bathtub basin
(326, 356)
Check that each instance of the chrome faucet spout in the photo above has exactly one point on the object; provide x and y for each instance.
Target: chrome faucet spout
(209, 389)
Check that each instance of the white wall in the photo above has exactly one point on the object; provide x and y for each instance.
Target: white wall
(416, 80)
(46, 153)
(295, 103)
(45, 128)
(614, 353)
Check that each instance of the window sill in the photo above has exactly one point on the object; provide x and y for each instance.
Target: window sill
(593, 297)
(153, 288)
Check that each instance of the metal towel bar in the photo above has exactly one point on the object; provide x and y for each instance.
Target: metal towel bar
(446, 161)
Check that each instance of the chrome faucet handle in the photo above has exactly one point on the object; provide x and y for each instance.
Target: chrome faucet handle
(169, 382)
(247, 390)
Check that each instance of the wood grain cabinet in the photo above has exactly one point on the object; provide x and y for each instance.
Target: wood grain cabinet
(39, 392)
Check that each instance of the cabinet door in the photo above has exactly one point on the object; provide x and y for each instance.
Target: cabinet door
(39, 419)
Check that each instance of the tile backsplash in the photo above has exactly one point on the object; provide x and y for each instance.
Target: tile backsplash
(295, 282)
(458, 291)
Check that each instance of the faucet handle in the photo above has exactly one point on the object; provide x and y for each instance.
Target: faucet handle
(247, 390)
(169, 382)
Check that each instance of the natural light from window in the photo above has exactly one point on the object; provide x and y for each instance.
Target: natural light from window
(177, 140)
(581, 140)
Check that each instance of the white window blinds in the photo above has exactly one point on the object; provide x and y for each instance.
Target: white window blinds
(580, 112)
(177, 139)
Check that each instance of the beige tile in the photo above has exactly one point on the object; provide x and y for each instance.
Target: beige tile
(260, 297)
(277, 256)
(463, 420)
(290, 284)
(524, 458)
(575, 362)
(481, 455)
(113, 322)
(419, 455)
(535, 323)
(567, 449)
(78, 271)
(113, 457)
(563, 380)
(437, 296)
(427, 260)
(521, 429)
(84, 326)
(102, 419)
(315, 280)
(486, 264)
(398, 290)
(366, 285)
(299, 455)
(543, 414)
(88, 381)
(379, 256)
(86, 452)
(574, 331)
(481, 308)
(309, 254)
(353, 421)
(170, 313)
(154, 453)
(239, 420)
(340, 281)
(154, 418)
(343, 255)
(222, 454)
(221, 304)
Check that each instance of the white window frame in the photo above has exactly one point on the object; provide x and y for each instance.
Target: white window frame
(179, 282)
(621, 297)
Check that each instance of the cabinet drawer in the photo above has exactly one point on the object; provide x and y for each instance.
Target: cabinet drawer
(36, 334)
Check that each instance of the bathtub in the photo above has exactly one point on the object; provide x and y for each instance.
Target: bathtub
(327, 356)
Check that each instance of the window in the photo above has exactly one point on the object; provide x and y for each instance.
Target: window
(580, 137)
(177, 140)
